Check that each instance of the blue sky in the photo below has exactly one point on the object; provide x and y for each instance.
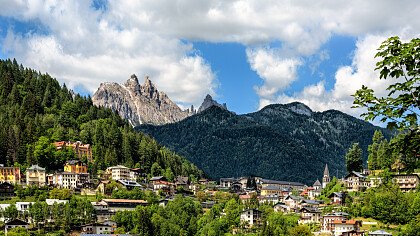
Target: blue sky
(247, 54)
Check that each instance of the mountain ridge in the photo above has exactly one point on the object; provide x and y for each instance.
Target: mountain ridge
(278, 141)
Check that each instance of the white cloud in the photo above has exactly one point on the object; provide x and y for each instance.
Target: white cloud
(89, 46)
(277, 72)
(348, 79)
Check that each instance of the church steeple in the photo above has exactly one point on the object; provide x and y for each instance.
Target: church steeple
(326, 178)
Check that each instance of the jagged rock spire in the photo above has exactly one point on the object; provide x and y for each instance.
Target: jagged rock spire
(208, 102)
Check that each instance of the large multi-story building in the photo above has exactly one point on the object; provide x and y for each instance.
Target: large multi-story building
(406, 182)
(81, 150)
(70, 180)
(75, 166)
(119, 172)
(35, 175)
(10, 174)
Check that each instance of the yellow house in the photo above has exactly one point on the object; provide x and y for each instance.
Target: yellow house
(75, 166)
(10, 174)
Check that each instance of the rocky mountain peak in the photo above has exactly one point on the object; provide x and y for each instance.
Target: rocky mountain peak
(139, 104)
(133, 83)
(208, 102)
(148, 89)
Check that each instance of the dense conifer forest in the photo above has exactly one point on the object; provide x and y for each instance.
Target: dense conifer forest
(35, 111)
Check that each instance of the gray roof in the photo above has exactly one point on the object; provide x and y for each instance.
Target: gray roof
(311, 209)
(317, 183)
(312, 202)
(35, 167)
(269, 181)
(326, 171)
(337, 214)
(358, 174)
(154, 178)
(379, 232)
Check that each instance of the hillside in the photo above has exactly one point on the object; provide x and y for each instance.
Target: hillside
(286, 142)
(36, 111)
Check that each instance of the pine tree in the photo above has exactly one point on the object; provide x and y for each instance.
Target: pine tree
(373, 150)
(354, 158)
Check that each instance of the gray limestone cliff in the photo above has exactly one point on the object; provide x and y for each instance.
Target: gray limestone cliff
(208, 102)
(139, 104)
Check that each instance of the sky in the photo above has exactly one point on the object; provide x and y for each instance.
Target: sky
(247, 54)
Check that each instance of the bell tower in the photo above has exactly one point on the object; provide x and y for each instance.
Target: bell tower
(326, 178)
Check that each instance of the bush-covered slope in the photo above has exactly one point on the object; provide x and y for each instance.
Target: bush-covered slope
(287, 142)
(36, 111)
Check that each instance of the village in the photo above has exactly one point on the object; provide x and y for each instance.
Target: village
(283, 196)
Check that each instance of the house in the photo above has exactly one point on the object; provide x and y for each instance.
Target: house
(337, 198)
(267, 190)
(346, 226)
(123, 204)
(310, 215)
(130, 184)
(182, 182)
(135, 173)
(270, 199)
(51, 202)
(119, 172)
(356, 181)
(406, 182)
(317, 185)
(227, 182)
(14, 224)
(160, 183)
(75, 166)
(35, 175)
(281, 207)
(379, 233)
(81, 150)
(293, 202)
(328, 219)
(10, 174)
(102, 187)
(313, 193)
(282, 184)
(7, 190)
(97, 228)
(102, 211)
(23, 206)
(70, 180)
(251, 217)
(374, 181)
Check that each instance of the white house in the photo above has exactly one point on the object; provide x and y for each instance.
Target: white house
(119, 172)
(251, 217)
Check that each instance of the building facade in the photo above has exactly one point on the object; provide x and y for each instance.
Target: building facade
(406, 182)
(119, 172)
(35, 175)
(10, 174)
(81, 150)
(75, 166)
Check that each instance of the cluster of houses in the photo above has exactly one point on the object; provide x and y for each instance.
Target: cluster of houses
(296, 198)
(285, 196)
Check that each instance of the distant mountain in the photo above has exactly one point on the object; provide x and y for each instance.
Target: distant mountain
(209, 102)
(285, 142)
(139, 104)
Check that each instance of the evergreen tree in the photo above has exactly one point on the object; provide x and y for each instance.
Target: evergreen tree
(354, 158)
(373, 150)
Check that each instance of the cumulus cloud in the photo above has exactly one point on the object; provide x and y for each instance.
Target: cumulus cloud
(277, 72)
(87, 46)
(348, 79)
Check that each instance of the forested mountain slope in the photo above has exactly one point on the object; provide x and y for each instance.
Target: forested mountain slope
(286, 142)
(36, 111)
